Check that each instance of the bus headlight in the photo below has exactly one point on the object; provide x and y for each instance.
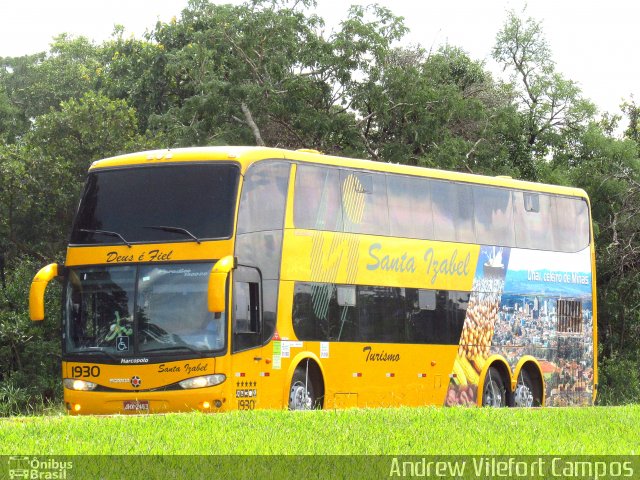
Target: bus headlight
(204, 381)
(75, 384)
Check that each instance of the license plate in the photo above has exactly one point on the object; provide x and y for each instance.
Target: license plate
(136, 405)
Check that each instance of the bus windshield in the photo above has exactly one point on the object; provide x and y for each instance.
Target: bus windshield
(130, 309)
(157, 204)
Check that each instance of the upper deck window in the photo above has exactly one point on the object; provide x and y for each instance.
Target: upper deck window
(318, 203)
(340, 199)
(493, 210)
(189, 199)
(264, 196)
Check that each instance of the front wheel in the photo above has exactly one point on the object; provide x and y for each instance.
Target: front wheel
(303, 394)
(494, 393)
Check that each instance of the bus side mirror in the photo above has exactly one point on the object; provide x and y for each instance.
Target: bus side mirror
(216, 299)
(38, 287)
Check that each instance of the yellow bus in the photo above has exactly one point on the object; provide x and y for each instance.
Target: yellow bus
(224, 278)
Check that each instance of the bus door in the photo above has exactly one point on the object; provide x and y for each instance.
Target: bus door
(246, 342)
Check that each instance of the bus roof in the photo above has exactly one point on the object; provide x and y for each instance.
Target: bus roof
(248, 155)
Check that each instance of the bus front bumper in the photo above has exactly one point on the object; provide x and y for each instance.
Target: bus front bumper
(210, 400)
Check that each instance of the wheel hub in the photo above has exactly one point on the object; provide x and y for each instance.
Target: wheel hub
(299, 398)
(492, 397)
(523, 396)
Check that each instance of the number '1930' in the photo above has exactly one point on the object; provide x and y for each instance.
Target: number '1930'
(85, 371)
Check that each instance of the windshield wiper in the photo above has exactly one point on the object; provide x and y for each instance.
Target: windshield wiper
(175, 347)
(108, 233)
(97, 350)
(181, 230)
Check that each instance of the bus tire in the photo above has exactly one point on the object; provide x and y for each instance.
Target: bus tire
(306, 389)
(494, 392)
(526, 395)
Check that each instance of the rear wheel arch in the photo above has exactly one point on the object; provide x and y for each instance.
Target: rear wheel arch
(496, 365)
(528, 374)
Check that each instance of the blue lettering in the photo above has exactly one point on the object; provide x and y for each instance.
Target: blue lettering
(374, 266)
(401, 264)
(450, 266)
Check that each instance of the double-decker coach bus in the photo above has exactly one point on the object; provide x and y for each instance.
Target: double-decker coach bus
(227, 278)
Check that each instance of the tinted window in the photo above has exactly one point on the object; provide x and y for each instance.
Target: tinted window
(570, 224)
(262, 250)
(318, 316)
(318, 202)
(533, 220)
(310, 313)
(269, 306)
(380, 314)
(247, 309)
(435, 316)
(198, 198)
(259, 245)
(337, 199)
(493, 216)
(452, 212)
(409, 207)
(264, 196)
(341, 200)
(582, 223)
(364, 202)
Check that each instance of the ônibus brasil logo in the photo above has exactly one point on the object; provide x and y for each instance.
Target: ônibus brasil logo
(34, 467)
(135, 381)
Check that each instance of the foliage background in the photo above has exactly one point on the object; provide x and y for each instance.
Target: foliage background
(267, 73)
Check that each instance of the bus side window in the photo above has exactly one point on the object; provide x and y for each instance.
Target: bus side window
(435, 316)
(343, 316)
(318, 200)
(493, 208)
(247, 309)
(570, 219)
(364, 202)
(453, 211)
(532, 220)
(410, 211)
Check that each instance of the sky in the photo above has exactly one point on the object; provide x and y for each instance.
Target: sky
(593, 42)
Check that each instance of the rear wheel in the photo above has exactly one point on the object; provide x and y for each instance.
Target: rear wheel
(525, 394)
(303, 394)
(494, 393)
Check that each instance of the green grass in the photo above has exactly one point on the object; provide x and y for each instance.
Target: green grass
(405, 431)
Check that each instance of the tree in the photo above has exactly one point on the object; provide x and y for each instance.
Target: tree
(134, 70)
(263, 73)
(33, 84)
(240, 74)
(552, 107)
(437, 109)
(632, 131)
(29, 354)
